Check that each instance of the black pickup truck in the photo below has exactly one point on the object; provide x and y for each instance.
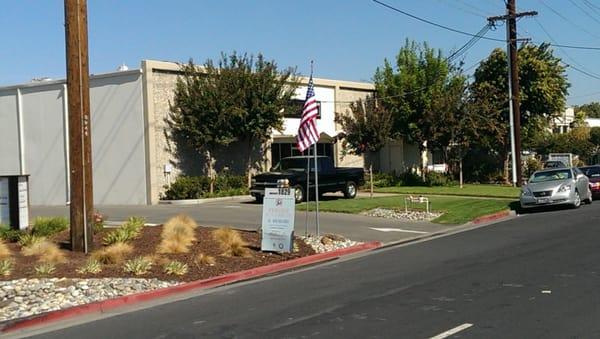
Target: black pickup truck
(331, 179)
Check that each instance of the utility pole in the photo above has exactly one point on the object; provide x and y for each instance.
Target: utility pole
(513, 84)
(80, 138)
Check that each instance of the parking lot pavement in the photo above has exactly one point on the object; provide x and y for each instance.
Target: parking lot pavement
(246, 214)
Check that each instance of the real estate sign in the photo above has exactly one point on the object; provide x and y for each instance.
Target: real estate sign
(279, 208)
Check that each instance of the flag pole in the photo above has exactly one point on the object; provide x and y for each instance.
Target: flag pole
(317, 187)
(307, 194)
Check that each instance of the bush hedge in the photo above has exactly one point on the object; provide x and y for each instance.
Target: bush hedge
(197, 187)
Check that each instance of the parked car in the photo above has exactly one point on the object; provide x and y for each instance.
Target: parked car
(331, 178)
(554, 164)
(557, 186)
(593, 174)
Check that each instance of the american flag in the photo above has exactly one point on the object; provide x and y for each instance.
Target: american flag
(307, 132)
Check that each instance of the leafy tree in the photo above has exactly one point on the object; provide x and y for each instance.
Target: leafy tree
(241, 98)
(595, 136)
(591, 110)
(543, 90)
(367, 127)
(411, 90)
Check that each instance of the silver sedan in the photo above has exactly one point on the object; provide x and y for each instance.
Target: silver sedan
(557, 186)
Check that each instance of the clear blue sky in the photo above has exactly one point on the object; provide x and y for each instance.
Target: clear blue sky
(347, 39)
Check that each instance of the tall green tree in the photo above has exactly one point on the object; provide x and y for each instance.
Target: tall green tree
(367, 127)
(591, 110)
(543, 91)
(240, 98)
(411, 88)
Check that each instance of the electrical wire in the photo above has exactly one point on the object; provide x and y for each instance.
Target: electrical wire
(564, 52)
(584, 11)
(574, 24)
(569, 46)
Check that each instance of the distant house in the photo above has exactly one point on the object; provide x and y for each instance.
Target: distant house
(564, 122)
(133, 158)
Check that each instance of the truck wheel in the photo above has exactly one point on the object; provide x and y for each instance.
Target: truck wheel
(259, 198)
(350, 190)
(299, 194)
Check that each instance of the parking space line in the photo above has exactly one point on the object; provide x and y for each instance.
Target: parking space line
(452, 331)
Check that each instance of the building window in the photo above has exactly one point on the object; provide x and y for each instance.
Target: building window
(296, 111)
(282, 150)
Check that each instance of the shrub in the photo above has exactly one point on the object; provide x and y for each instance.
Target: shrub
(438, 179)
(177, 235)
(98, 222)
(382, 180)
(410, 178)
(231, 242)
(6, 267)
(203, 259)
(91, 266)
(45, 268)
(176, 268)
(46, 250)
(119, 235)
(113, 254)
(28, 239)
(9, 234)
(46, 227)
(196, 187)
(4, 250)
(133, 226)
(138, 266)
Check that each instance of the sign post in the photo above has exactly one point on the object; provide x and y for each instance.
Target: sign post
(279, 210)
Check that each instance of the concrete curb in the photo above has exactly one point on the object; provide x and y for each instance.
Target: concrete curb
(109, 304)
(491, 217)
(203, 201)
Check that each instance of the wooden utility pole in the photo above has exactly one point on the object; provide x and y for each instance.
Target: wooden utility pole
(513, 84)
(80, 137)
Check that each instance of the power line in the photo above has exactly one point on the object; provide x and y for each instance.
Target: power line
(431, 22)
(567, 19)
(563, 51)
(593, 48)
(459, 7)
(584, 11)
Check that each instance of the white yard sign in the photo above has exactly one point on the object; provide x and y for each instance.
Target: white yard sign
(278, 220)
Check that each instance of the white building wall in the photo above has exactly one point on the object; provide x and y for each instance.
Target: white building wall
(326, 124)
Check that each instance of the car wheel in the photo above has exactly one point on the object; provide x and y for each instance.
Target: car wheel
(590, 198)
(350, 190)
(577, 201)
(298, 194)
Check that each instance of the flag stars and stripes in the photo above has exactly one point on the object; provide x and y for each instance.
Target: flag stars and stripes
(308, 133)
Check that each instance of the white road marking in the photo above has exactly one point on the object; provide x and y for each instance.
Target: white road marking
(396, 230)
(546, 292)
(230, 206)
(452, 331)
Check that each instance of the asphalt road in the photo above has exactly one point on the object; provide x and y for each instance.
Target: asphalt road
(536, 276)
(245, 214)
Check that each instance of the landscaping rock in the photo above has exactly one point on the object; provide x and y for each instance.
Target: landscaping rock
(402, 215)
(44, 295)
(328, 242)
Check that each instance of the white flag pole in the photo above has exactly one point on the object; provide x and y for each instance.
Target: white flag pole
(317, 187)
(307, 194)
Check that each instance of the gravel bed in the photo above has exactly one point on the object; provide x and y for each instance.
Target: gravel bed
(26, 297)
(402, 215)
(328, 242)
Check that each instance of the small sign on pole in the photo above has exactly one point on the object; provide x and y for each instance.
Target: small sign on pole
(279, 210)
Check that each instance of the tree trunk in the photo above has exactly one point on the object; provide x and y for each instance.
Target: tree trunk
(506, 169)
(460, 171)
(249, 162)
(211, 175)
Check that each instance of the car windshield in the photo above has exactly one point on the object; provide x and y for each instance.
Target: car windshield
(592, 172)
(551, 175)
(287, 164)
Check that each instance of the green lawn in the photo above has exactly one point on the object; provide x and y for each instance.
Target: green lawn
(492, 191)
(456, 210)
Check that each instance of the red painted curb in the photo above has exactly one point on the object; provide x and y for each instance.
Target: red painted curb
(109, 304)
(491, 217)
